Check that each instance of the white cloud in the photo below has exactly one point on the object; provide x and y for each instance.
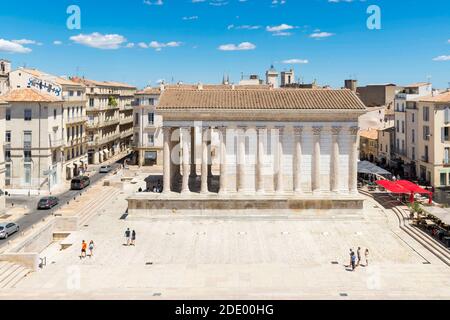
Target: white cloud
(243, 27)
(244, 46)
(281, 27)
(442, 58)
(130, 45)
(321, 35)
(100, 41)
(190, 18)
(154, 3)
(26, 41)
(12, 47)
(295, 61)
(57, 43)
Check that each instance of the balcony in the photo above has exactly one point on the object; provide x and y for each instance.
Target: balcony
(425, 159)
(76, 141)
(76, 120)
(101, 108)
(56, 143)
(101, 124)
(7, 144)
(126, 120)
(27, 145)
(126, 134)
(100, 141)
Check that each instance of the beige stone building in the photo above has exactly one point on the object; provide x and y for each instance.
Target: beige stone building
(3, 105)
(33, 141)
(369, 145)
(148, 135)
(386, 140)
(433, 139)
(73, 98)
(109, 110)
(5, 69)
(292, 150)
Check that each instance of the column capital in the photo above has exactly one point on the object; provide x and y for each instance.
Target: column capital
(298, 130)
(336, 130)
(261, 127)
(354, 130)
(317, 130)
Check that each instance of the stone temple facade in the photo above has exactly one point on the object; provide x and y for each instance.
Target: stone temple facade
(292, 150)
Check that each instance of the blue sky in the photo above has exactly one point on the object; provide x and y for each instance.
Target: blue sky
(141, 42)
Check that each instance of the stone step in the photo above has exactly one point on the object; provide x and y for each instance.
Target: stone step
(92, 211)
(16, 278)
(5, 268)
(6, 275)
(3, 265)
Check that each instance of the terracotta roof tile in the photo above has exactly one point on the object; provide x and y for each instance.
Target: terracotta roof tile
(371, 134)
(317, 99)
(443, 97)
(88, 82)
(28, 95)
(56, 79)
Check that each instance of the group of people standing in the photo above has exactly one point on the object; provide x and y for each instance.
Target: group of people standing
(84, 247)
(356, 258)
(130, 237)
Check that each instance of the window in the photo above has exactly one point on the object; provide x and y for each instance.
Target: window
(8, 155)
(27, 171)
(413, 154)
(151, 118)
(426, 114)
(8, 114)
(91, 102)
(398, 125)
(136, 119)
(71, 93)
(413, 117)
(151, 139)
(403, 126)
(446, 132)
(27, 139)
(27, 115)
(27, 156)
(8, 136)
(426, 133)
(54, 114)
(8, 175)
(79, 93)
(413, 136)
(443, 179)
(151, 101)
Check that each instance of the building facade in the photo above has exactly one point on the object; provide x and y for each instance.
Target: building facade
(148, 133)
(3, 105)
(73, 98)
(34, 141)
(109, 113)
(5, 69)
(386, 140)
(369, 145)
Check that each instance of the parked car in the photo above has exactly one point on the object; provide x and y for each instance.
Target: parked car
(105, 169)
(7, 229)
(79, 183)
(47, 203)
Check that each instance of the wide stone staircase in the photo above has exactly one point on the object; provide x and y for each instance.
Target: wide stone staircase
(402, 213)
(11, 274)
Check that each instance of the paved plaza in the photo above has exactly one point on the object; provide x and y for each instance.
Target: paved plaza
(249, 257)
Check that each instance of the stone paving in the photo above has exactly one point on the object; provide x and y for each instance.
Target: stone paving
(238, 258)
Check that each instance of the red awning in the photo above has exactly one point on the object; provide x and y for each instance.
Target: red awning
(412, 187)
(392, 186)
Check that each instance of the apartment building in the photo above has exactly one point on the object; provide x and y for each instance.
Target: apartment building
(406, 127)
(369, 145)
(433, 139)
(386, 140)
(3, 105)
(5, 69)
(73, 96)
(33, 140)
(148, 135)
(109, 111)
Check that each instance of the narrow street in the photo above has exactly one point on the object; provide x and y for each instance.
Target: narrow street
(35, 215)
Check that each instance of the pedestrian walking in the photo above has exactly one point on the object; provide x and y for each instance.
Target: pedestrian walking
(133, 238)
(91, 249)
(83, 249)
(351, 254)
(127, 236)
(358, 253)
(367, 257)
(353, 258)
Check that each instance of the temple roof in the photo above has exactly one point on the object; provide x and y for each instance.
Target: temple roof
(263, 99)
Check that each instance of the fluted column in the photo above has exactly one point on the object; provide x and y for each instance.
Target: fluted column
(210, 174)
(316, 185)
(186, 137)
(334, 177)
(205, 157)
(223, 161)
(353, 165)
(167, 183)
(193, 154)
(260, 132)
(298, 154)
(280, 150)
(241, 174)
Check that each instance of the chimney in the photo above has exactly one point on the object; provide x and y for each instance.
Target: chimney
(351, 85)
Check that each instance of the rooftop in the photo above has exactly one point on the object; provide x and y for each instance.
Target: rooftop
(268, 99)
(58, 80)
(443, 97)
(93, 83)
(28, 95)
(371, 134)
(418, 84)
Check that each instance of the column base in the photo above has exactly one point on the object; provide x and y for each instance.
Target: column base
(184, 192)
